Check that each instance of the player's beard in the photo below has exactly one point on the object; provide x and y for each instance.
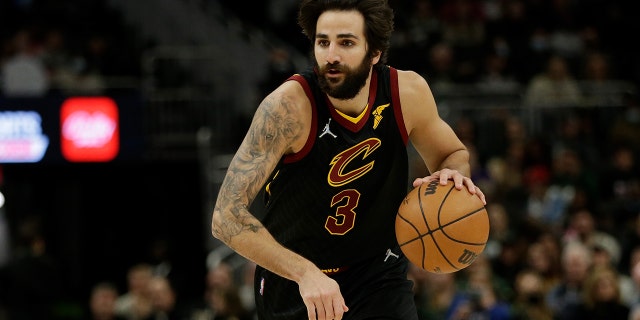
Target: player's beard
(352, 82)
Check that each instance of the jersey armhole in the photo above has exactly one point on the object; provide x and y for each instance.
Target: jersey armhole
(290, 158)
(397, 108)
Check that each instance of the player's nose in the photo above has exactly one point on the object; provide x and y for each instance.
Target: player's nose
(332, 56)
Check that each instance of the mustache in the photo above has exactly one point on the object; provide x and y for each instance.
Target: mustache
(333, 66)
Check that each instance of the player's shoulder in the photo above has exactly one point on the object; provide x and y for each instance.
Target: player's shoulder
(411, 83)
(410, 78)
(290, 94)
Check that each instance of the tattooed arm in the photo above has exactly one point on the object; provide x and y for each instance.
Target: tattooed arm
(280, 126)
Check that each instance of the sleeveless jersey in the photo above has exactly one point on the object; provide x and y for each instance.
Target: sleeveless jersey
(336, 200)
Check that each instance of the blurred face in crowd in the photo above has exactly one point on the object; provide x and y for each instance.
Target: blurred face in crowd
(576, 263)
(607, 287)
(102, 302)
(529, 287)
(343, 62)
(138, 278)
(162, 294)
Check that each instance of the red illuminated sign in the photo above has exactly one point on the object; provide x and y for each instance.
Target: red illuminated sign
(89, 129)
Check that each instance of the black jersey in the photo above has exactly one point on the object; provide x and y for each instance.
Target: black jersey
(336, 200)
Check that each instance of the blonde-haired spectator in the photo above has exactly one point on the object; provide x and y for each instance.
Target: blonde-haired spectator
(602, 297)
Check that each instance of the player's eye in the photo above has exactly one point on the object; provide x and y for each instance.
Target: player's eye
(348, 43)
(323, 43)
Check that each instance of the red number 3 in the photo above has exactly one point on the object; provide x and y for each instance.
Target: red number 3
(345, 202)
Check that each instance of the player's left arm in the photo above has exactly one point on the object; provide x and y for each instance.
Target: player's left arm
(443, 153)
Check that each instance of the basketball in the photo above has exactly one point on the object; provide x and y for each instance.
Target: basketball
(441, 229)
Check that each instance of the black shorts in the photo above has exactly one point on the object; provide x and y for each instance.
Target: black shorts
(372, 289)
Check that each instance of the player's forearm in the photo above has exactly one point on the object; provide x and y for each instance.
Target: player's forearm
(246, 235)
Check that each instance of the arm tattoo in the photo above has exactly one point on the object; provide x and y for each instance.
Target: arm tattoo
(274, 128)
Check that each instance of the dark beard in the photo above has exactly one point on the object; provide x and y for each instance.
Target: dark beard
(354, 79)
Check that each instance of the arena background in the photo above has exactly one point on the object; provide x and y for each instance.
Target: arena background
(186, 77)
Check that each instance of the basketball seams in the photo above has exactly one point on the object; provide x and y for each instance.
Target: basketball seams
(414, 228)
(417, 231)
(438, 215)
(424, 219)
(430, 232)
(441, 228)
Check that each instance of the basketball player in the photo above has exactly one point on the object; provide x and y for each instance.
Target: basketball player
(330, 148)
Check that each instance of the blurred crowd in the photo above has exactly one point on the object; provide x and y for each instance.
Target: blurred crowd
(66, 47)
(34, 284)
(564, 203)
(565, 226)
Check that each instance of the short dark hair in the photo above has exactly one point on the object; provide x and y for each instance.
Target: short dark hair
(378, 20)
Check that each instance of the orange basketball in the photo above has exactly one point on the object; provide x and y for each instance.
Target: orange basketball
(440, 228)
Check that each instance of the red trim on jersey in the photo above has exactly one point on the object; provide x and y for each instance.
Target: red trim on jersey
(314, 127)
(397, 108)
(355, 127)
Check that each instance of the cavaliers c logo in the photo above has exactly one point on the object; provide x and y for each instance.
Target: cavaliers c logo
(337, 175)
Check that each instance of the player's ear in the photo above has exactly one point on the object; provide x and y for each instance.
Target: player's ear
(375, 56)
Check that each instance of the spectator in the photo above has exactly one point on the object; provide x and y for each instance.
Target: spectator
(23, 73)
(563, 299)
(495, 76)
(556, 86)
(600, 88)
(545, 264)
(501, 230)
(135, 303)
(164, 301)
(102, 302)
(228, 305)
(434, 292)
(602, 297)
(219, 278)
(529, 303)
(582, 228)
(485, 294)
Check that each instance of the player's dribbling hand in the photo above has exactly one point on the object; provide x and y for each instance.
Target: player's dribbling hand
(322, 296)
(458, 179)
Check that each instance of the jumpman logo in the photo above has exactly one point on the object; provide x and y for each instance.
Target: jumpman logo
(327, 130)
(390, 254)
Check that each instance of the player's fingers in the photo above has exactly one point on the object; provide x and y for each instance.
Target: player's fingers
(481, 195)
(321, 311)
(474, 189)
(339, 308)
(445, 175)
(311, 310)
(335, 307)
(424, 180)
